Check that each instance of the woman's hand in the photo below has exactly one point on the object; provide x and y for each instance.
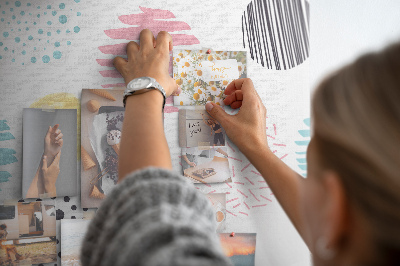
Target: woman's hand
(53, 142)
(149, 59)
(50, 175)
(247, 129)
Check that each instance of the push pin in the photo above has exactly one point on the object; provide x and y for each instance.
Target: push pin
(208, 51)
(232, 234)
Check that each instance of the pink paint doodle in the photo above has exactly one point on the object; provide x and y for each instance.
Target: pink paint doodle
(231, 147)
(233, 171)
(283, 156)
(254, 195)
(247, 206)
(239, 183)
(237, 205)
(244, 213)
(249, 180)
(256, 173)
(235, 159)
(256, 206)
(228, 185)
(242, 193)
(231, 213)
(245, 167)
(231, 200)
(265, 198)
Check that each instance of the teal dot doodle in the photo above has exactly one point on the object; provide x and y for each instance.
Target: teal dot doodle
(7, 3)
(33, 59)
(45, 13)
(28, 4)
(38, 15)
(46, 59)
(17, 3)
(61, 6)
(54, 13)
(48, 6)
(5, 49)
(68, 43)
(48, 33)
(77, 1)
(49, 23)
(18, 22)
(19, 29)
(67, 31)
(13, 60)
(30, 38)
(58, 31)
(2, 19)
(12, 29)
(40, 31)
(62, 19)
(1, 57)
(1, 44)
(34, 48)
(13, 17)
(48, 41)
(27, 28)
(23, 52)
(34, 23)
(5, 34)
(22, 13)
(11, 9)
(3, 12)
(17, 39)
(78, 14)
(56, 44)
(38, 7)
(57, 54)
(76, 29)
(23, 44)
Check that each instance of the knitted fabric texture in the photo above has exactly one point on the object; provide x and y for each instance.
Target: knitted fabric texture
(153, 217)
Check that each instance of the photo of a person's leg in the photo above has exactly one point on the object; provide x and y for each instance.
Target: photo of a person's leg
(44, 182)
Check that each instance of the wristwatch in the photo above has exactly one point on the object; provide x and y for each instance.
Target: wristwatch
(142, 85)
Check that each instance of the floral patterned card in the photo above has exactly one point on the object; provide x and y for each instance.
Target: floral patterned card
(204, 76)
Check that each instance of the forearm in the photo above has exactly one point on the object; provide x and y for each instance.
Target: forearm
(143, 142)
(33, 191)
(282, 180)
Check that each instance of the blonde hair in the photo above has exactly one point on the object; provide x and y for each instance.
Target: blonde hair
(356, 126)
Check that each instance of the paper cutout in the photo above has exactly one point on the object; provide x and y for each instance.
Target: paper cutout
(72, 234)
(218, 202)
(240, 248)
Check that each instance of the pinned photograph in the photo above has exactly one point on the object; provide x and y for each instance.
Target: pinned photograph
(72, 234)
(28, 233)
(218, 202)
(198, 129)
(203, 76)
(206, 164)
(49, 153)
(102, 114)
(239, 247)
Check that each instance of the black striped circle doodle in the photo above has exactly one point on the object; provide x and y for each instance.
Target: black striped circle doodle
(277, 32)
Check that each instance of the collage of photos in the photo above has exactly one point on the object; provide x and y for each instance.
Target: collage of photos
(203, 75)
(49, 153)
(28, 233)
(102, 114)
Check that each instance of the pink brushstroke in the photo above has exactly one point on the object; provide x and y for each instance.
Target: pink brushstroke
(263, 187)
(237, 205)
(113, 85)
(227, 193)
(231, 147)
(275, 129)
(233, 171)
(240, 183)
(244, 213)
(171, 109)
(278, 144)
(110, 73)
(180, 163)
(120, 48)
(242, 193)
(105, 62)
(256, 173)
(270, 136)
(283, 156)
(148, 14)
(256, 206)
(275, 151)
(254, 195)
(208, 185)
(212, 192)
(262, 181)
(228, 184)
(231, 200)
(231, 213)
(245, 167)
(197, 188)
(247, 206)
(249, 180)
(265, 198)
(235, 159)
(155, 27)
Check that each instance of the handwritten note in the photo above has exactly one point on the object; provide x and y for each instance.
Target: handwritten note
(219, 70)
(194, 128)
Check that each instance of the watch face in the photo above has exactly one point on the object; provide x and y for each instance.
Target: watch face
(140, 83)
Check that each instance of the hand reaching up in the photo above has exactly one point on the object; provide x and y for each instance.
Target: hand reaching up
(53, 142)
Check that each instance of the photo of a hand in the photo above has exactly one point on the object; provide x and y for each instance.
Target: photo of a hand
(44, 182)
(50, 174)
(53, 142)
(192, 164)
